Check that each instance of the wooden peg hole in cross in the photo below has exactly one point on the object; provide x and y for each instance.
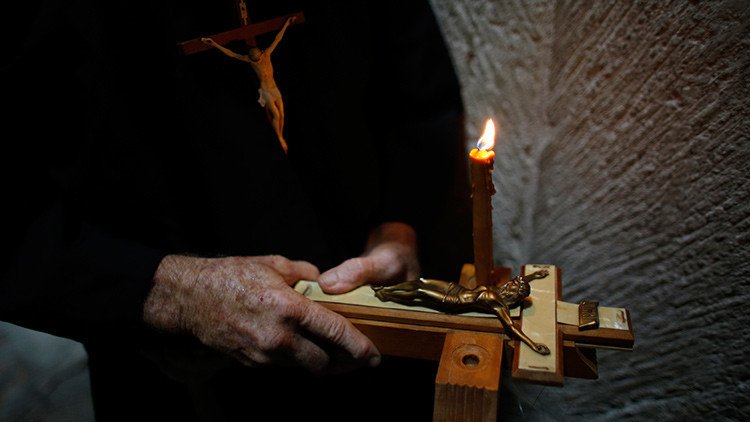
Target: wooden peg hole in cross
(470, 360)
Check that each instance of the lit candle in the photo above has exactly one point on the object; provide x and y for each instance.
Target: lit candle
(482, 189)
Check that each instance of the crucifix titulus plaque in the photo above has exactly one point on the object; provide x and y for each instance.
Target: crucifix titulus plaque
(260, 60)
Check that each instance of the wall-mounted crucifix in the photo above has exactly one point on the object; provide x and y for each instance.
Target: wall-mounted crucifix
(260, 60)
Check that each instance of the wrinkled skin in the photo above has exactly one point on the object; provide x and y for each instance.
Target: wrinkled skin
(246, 308)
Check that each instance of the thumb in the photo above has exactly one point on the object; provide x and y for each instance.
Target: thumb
(350, 274)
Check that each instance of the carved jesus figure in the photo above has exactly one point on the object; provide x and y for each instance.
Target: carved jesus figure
(452, 297)
(269, 94)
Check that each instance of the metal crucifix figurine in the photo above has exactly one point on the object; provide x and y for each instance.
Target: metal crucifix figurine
(260, 60)
(452, 297)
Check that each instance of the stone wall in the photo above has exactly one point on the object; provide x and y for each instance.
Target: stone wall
(624, 159)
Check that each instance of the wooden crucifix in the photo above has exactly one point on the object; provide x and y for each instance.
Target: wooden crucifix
(471, 348)
(260, 60)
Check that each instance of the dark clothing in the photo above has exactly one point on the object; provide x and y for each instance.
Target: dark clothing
(136, 152)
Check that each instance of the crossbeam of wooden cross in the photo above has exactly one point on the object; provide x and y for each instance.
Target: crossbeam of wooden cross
(470, 347)
(246, 32)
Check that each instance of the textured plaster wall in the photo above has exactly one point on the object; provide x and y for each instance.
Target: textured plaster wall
(624, 158)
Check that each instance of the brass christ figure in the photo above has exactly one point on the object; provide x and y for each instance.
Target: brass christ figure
(260, 60)
(452, 297)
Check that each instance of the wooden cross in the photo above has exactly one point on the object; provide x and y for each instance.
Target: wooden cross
(472, 349)
(259, 60)
(246, 32)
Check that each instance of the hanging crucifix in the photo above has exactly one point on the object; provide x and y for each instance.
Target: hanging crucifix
(260, 60)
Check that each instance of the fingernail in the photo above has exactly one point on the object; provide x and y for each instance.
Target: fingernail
(374, 361)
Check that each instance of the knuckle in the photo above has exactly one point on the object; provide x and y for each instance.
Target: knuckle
(275, 341)
(290, 310)
(286, 306)
(337, 331)
(361, 266)
(279, 262)
(391, 254)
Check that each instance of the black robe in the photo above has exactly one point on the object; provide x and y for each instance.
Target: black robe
(135, 151)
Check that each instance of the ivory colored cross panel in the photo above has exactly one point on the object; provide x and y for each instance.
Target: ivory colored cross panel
(539, 322)
(365, 296)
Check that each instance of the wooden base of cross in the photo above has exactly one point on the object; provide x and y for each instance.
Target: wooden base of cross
(472, 348)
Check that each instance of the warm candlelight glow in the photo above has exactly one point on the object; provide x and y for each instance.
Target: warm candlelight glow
(487, 141)
(483, 151)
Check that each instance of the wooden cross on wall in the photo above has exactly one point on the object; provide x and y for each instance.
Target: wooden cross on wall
(259, 60)
(246, 32)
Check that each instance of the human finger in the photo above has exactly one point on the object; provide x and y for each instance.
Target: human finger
(304, 353)
(292, 271)
(384, 264)
(338, 332)
(349, 274)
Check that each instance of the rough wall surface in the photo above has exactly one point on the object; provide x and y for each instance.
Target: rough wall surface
(502, 52)
(625, 160)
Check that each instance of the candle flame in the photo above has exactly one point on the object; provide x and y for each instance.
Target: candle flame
(487, 141)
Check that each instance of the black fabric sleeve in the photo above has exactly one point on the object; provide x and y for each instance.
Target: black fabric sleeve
(73, 280)
(419, 114)
(60, 274)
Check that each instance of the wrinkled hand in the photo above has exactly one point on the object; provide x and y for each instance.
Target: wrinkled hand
(390, 257)
(244, 307)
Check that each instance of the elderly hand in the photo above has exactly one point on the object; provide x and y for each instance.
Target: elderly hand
(390, 257)
(245, 307)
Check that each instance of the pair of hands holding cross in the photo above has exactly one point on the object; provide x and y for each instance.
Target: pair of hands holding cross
(246, 307)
